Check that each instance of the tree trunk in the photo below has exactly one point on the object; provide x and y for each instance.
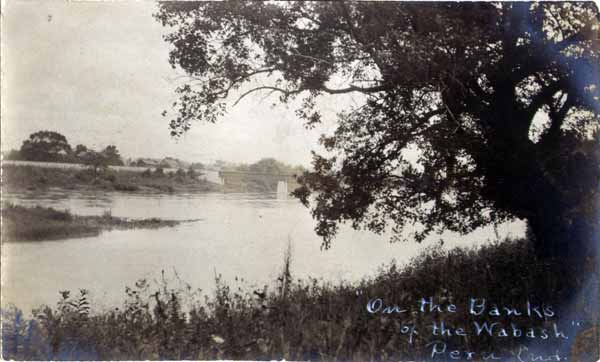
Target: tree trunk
(553, 184)
(570, 239)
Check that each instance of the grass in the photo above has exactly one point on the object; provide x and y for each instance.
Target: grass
(311, 319)
(17, 178)
(21, 223)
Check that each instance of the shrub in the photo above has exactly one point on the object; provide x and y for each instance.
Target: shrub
(180, 172)
(125, 187)
(86, 175)
(111, 177)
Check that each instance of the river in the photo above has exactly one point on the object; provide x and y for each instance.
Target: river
(238, 235)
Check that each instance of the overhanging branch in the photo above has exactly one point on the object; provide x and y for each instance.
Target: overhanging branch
(543, 97)
(289, 92)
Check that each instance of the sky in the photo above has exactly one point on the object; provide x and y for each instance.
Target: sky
(98, 73)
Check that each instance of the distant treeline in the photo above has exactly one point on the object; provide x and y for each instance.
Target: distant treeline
(266, 166)
(16, 178)
(49, 146)
(261, 176)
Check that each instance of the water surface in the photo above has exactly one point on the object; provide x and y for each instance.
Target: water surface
(238, 235)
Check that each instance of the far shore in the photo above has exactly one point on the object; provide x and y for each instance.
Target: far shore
(24, 176)
(18, 178)
(41, 224)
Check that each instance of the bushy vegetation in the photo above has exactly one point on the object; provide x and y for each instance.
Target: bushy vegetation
(40, 223)
(19, 178)
(297, 319)
(261, 176)
(50, 146)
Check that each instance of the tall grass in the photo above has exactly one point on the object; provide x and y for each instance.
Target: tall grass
(300, 319)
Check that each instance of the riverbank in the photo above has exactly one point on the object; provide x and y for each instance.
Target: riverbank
(38, 223)
(313, 320)
(17, 178)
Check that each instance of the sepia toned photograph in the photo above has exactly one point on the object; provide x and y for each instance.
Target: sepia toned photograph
(300, 181)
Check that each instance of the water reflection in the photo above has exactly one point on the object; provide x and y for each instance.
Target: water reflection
(239, 235)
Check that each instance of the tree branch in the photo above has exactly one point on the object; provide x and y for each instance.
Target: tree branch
(353, 88)
(272, 88)
(542, 98)
(558, 117)
(353, 32)
(349, 89)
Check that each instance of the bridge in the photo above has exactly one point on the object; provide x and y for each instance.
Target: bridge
(256, 181)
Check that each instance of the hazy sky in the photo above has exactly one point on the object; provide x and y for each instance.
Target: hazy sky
(98, 73)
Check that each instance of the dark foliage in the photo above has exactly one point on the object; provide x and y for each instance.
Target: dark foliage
(39, 223)
(475, 113)
(261, 176)
(17, 178)
(46, 146)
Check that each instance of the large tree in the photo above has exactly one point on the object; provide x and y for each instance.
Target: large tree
(112, 156)
(474, 113)
(46, 146)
